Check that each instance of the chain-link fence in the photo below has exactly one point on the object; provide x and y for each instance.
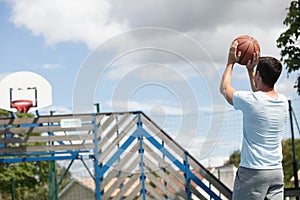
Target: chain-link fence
(75, 178)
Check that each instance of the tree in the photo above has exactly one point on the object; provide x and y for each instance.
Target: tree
(30, 178)
(288, 41)
(25, 176)
(234, 158)
(287, 161)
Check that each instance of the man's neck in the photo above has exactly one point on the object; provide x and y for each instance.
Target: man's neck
(269, 91)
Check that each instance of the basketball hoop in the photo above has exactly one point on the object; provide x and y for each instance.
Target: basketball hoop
(22, 106)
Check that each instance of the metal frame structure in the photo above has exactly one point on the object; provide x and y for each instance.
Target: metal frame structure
(133, 157)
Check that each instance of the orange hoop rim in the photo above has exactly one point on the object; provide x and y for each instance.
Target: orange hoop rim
(22, 106)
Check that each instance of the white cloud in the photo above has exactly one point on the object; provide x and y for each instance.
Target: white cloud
(197, 14)
(56, 109)
(155, 108)
(286, 86)
(51, 66)
(66, 20)
(159, 71)
(212, 24)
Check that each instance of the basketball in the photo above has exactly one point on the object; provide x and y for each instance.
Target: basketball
(247, 45)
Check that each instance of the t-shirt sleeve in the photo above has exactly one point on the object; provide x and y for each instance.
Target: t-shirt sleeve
(239, 99)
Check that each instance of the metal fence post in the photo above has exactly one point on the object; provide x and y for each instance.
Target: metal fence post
(12, 188)
(187, 175)
(295, 162)
(141, 152)
(96, 162)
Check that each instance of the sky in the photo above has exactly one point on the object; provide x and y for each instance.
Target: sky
(162, 57)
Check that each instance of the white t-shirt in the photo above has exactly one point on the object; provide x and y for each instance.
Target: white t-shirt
(264, 123)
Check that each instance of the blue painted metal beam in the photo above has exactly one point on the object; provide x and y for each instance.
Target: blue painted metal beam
(117, 155)
(180, 165)
(59, 142)
(45, 153)
(142, 166)
(6, 136)
(96, 156)
(187, 175)
(141, 152)
(34, 159)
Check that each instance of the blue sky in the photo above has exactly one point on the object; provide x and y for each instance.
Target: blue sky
(22, 51)
(173, 80)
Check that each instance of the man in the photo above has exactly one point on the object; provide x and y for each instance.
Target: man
(260, 174)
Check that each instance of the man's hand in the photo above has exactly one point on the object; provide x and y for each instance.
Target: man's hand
(252, 63)
(250, 67)
(233, 55)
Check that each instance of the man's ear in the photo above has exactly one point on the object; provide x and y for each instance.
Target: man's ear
(258, 75)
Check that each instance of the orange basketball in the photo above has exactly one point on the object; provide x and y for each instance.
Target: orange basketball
(247, 46)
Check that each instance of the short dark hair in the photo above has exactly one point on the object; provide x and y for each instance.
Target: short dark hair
(270, 69)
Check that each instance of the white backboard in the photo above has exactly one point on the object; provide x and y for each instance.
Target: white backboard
(25, 85)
